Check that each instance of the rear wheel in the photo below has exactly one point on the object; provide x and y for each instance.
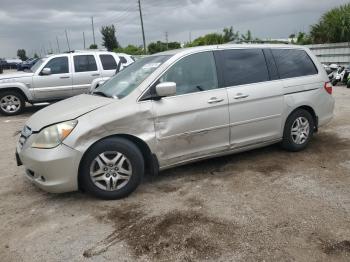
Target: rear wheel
(11, 103)
(112, 169)
(298, 130)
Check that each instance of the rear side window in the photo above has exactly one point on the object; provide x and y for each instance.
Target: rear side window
(85, 63)
(293, 63)
(243, 66)
(108, 62)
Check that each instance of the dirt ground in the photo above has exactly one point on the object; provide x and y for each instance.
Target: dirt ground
(262, 205)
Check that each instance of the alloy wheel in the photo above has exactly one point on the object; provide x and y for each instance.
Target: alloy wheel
(10, 104)
(300, 130)
(110, 171)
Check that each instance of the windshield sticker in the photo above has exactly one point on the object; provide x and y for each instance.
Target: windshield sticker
(151, 65)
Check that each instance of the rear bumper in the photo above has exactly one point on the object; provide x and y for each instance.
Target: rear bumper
(53, 170)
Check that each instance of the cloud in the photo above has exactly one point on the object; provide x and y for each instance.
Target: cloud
(34, 25)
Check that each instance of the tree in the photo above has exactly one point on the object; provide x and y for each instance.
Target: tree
(159, 46)
(21, 53)
(108, 37)
(247, 37)
(36, 55)
(303, 39)
(130, 50)
(334, 26)
(93, 46)
(229, 35)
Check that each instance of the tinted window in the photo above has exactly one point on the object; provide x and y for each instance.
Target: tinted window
(108, 62)
(293, 63)
(58, 65)
(85, 63)
(243, 66)
(271, 65)
(193, 73)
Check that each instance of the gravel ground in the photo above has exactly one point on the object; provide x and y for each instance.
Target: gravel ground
(262, 205)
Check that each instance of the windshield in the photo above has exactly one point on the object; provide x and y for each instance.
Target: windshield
(37, 64)
(131, 77)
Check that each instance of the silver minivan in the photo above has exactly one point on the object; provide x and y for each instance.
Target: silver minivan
(173, 108)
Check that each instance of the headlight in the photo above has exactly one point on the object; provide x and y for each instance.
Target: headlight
(53, 135)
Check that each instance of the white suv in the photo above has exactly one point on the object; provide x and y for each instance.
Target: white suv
(57, 77)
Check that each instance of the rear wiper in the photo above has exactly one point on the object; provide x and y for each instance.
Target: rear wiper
(100, 93)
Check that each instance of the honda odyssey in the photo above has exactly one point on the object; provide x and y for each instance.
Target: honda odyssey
(173, 108)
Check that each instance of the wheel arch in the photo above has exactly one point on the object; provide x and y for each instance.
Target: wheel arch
(311, 111)
(16, 89)
(150, 159)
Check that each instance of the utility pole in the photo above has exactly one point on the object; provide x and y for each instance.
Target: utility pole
(58, 45)
(190, 37)
(84, 39)
(67, 40)
(143, 30)
(166, 40)
(93, 29)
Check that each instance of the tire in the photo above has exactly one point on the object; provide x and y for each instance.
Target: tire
(294, 134)
(102, 166)
(11, 103)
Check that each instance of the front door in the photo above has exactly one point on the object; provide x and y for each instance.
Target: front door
(58, 84)
(255, 96)
(194, 122)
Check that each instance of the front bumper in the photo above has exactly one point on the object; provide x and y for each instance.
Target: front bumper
(53, 170)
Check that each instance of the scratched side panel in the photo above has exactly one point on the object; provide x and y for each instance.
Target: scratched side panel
(122, 117)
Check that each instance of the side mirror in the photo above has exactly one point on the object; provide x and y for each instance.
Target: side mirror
(166, 89)
(46, 71)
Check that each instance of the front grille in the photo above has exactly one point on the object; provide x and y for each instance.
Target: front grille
(25, 134)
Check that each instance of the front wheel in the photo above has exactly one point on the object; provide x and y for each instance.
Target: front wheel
(298, 130)
(112, 169)
(11, 103)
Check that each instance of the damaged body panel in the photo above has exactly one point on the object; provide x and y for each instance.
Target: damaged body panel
(173, 108)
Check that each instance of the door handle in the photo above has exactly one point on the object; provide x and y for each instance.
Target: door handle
(63, 77)
(95, 74)
(240, 96)
(214, 100)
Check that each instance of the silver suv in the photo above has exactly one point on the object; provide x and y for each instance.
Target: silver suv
(57, 77)
(173, 108)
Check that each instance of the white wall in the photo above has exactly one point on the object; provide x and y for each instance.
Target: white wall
(338, 53)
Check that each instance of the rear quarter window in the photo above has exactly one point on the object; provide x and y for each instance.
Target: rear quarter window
(293, 63)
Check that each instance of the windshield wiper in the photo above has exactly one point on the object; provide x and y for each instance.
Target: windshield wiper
(100, 93)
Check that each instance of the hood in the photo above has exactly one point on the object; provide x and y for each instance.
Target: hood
(16, 75)
(65, 110)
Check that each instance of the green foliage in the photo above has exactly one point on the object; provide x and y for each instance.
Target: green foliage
(130, 49)
(228, 35)
(303, 39)
(36, 55)
(334, 26)
(161, 46)
(109, 40)
(93, 46)
(21, 53)
(247, 37)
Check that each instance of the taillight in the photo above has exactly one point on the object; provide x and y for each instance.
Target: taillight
(329, 88)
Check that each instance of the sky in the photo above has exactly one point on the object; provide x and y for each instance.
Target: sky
(34, 24)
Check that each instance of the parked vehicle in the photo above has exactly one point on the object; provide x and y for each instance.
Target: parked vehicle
(26, 65)
(338, 76)
(10, 63)
(55, 77)
(173, 108)
(124, 61)
(331, 71)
